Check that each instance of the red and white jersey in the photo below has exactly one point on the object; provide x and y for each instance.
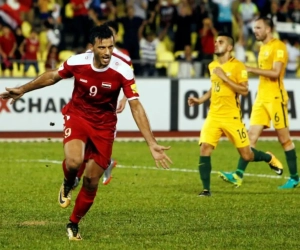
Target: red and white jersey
(118, 53)
(96, 91)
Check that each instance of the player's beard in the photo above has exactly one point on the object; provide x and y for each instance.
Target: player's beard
(261, 38)
(219, 54)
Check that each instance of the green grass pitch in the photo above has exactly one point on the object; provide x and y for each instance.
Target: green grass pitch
(147, 208)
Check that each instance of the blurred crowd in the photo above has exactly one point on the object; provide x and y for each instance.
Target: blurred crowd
(163, 37)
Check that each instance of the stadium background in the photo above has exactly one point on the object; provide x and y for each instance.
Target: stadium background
(179, 64)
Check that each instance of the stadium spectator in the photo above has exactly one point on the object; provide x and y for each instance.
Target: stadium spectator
(183, 23)
(224, 22)
(186, 63)
(207, 40)
(8, 46)
(248, 12)
(131, 25)
(239, 49)
(81, 24)
(52, 58)
(140, 8)
(167, 12)
(53, 34)
(293, 57)
(45, 9)
(205, 9)
(294, 12)
(19, 39)
(275, 13)
(29, 50)
(82, 128)
(152, 14)
(148, 45)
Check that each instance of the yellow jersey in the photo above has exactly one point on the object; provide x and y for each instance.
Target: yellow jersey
(270, 89)
(225, 102)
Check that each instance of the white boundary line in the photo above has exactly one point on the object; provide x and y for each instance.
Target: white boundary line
(171, 169)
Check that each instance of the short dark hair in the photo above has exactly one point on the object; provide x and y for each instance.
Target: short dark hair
(268, 21)
(114, 25)
(229, 37)
(101, 32)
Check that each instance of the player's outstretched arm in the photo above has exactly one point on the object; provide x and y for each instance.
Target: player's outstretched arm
(157, 151)
(192, 101)
(41, 81)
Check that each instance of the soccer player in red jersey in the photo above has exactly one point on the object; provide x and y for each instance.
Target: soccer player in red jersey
(90, 117)
(121, 106)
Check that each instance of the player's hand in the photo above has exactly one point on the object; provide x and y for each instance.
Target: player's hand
(192, 101)
(12, 93)
(121, 105)
(220, 73)
(158, 153)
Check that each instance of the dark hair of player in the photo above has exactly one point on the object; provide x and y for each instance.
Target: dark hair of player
(229, 37)
(114, 25)
(268, 21)
(100, 32)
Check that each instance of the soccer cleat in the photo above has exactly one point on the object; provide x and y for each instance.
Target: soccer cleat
(107, 173)
(72, 231)
(205, 193)
(233, 178)
(64, 195)
(275, 164)
(291, 183)
(76, 183)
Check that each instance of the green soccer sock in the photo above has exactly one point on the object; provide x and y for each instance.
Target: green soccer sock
(291, 159)
(258, 156)
(261, 156)
(242, 165)
(204, 171)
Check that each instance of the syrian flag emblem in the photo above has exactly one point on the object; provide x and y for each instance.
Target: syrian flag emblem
(106, 85)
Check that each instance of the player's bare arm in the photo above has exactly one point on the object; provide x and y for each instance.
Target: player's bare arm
(122, 104)
(41, 81)
(142, 122)
(194, 100)
(241, 88)
(271, 73)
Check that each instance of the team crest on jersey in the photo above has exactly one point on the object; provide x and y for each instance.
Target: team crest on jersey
(280, 53)
(106, 85)
(244, 74)
(83, 80)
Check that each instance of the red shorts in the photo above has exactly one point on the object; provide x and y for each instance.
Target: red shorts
(98, 141)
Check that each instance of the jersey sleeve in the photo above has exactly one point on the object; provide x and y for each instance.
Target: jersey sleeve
(65, 71)
(280, 53)
(241, 73)
(129, 86)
